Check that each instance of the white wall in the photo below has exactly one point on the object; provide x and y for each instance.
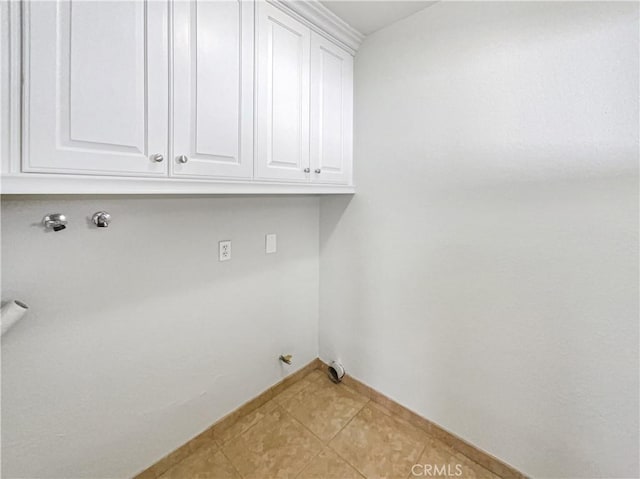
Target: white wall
(486, 273)
(137, 337)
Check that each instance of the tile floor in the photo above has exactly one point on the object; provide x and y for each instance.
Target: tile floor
(320, 430)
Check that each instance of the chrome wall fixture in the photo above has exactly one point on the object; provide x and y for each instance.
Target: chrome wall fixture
(55, 221)
(101, 219)
(58, 221)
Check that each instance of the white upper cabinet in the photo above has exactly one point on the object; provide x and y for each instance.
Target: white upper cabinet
(213, 89)
(175, 96)
(96, 87)
(331, 112)
(5, 90)
(282, 96)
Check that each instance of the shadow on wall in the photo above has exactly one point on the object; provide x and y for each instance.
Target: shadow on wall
(332, 209)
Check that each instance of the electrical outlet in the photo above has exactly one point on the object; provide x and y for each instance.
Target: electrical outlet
(270, 244)
(224, 250)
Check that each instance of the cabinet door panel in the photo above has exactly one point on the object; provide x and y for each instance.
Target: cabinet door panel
(213, 88)
(6, 126)
(331, 112)
(96, 95)
(282, 150)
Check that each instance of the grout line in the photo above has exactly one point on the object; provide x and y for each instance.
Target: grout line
(190, 454)
(381, 408)
(305, 427)
(291, 385)
(390, 415)
(224, 443)
(311, 432)
(277, 406)
(231, 462)
(284, 412)
(326, 443)
(309, 462)
(424, 448)
(348, 422)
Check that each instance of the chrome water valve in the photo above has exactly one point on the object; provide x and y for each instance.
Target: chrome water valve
(101, 219)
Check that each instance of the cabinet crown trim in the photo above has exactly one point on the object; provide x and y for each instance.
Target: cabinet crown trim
(323, 21)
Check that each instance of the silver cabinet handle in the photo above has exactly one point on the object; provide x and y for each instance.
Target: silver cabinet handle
(182, 159)
(158, 158)
(307, 170)
(318, 171)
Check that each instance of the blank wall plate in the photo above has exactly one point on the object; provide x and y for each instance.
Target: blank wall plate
(270, 243)
(224, 250)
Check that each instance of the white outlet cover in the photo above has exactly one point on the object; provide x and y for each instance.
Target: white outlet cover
(270, 243)
(224, 250)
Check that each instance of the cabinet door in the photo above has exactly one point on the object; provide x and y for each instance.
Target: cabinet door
(331, 112)
(6, 126)
(96, 91)
(282, 150)
(213, 89)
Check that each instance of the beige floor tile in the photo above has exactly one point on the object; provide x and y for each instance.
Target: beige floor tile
(440, 460)
(207, 462)
(244, 423)
(316, 375)
(324, 407)
(276, 447)
(298, 387)
(437, 460)
(181, 453)
(328, 465)
(380, 446)
(283, 438)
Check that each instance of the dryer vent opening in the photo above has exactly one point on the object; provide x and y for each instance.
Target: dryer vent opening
(336, 372)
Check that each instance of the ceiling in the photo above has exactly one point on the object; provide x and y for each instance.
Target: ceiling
(369, 16)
